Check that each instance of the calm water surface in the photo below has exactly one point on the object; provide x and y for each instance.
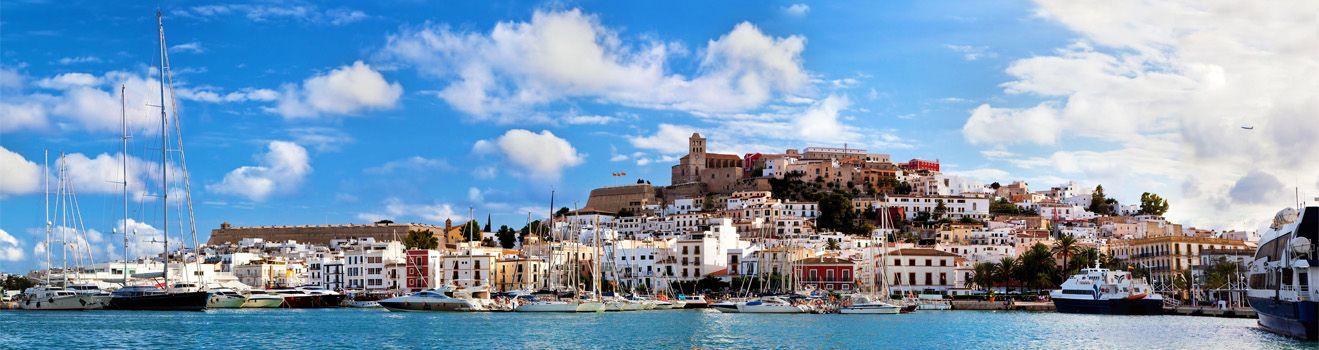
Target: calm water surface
(356, 328)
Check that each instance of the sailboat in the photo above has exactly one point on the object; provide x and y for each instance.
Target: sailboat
(876, 299)
(50, 296)
(151, 297)
(554, 304)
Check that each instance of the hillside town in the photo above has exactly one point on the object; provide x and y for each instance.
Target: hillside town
(809, 219)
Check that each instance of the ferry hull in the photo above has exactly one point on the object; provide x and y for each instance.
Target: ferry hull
(426, 306)
(1294, 319)
(191, 301)
(1110, 307)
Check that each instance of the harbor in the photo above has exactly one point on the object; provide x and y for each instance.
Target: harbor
(691, 329)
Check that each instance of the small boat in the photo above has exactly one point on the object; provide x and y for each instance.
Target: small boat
(428, 300)
(1098, 290)
(933, 302)
(863, 304)
(528, 303)
(100, 297)
(726, 306)
(153, 298)
(55, 298)
(771, 305)
(695, 301)
(225, 298)
(259, 299)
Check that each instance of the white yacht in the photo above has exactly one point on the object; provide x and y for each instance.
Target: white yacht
(55, 298)
(1098, 290)
(771, 305)
(428, 300)
(225, 298)
(1283, 274)
(863, 304)
(259, 299)
(726, 306)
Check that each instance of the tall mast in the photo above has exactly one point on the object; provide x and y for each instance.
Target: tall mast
(63, 213)
(45, 179)
(164, 149)
(123, 142)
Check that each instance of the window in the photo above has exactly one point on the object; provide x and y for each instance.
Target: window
(943, 262)
(911, 262)
(897, 278)
(927, 262)
(943, 279)
(911, 278)
(829, 275)
(929, 278)
(897, 262)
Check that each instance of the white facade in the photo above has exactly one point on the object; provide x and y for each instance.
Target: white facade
(703, 253)
(366, 265)
(808, 210)
(957, 207)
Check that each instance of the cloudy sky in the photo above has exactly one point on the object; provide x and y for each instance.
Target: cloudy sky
(307, 113)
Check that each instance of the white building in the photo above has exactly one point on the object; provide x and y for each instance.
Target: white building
(366, 264)
(923, 270)
(957, 207)
(703, 253)
(808, 210)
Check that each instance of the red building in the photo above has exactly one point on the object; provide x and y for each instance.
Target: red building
(826, 273)
(750, 162)
(422, 266)
(918, 164)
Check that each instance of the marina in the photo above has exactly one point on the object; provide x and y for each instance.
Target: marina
(376, 328)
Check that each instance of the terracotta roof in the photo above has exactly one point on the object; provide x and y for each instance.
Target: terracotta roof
(824, 260)
(721, 156)
(921, 252)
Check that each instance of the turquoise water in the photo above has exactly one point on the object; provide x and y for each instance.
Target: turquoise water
(356, 328)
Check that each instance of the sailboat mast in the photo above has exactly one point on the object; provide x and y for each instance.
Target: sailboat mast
(45, 179)
(123, 143)
(164, 149)
(64, 229)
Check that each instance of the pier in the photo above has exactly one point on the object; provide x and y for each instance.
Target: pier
(1003, 305)
(1212, 311)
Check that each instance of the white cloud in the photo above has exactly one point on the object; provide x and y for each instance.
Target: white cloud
(395, 209)
(820, 122)
(143, 239)
(989, 125)
(474, 195)
(540, 155)
(322, 139)
(411, 165)
(971, 53)
(10, 248)
(243, 95)
(668, 139)
(78, 60)
(985, 175)
(263, 13)
(347, 90)
(79, 100)
(589, 119)
(99, 174)
(797, 10)
(1159, 90)
(518, 66)
(281, 169)
(189, 47)
(17, 174)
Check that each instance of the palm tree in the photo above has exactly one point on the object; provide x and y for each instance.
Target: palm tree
(1005, 271)
(1065, 247)
(984, 275)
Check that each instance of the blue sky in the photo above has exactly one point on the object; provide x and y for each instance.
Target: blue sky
(307, 113)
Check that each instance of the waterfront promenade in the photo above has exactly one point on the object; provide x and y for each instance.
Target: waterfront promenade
(357, 328)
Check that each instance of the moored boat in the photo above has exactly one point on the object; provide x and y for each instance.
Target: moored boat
(428, 300)
(225, 298)
(153, 298)
(863, 304)
(259, 299)
(1098, 290)
(694, 301)
(54, 298)
(770, 305)
(1283, 273)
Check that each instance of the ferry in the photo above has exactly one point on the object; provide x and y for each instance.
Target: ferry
(1282, 273)
(1098, 290)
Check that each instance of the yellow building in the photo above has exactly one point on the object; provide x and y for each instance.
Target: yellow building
(519, 273)
(1167, 255)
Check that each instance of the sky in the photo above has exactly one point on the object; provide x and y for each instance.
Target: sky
(310, 113)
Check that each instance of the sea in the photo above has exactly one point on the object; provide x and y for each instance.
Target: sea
(670, 329)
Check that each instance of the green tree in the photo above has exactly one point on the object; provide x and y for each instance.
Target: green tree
(472, 231)
(1084, 258)
(1098, 203)
(1002, 206)
(831, 244)
(1006, 272)
(995, 185)
(903, 188)
(16, 282)
(1222, 273)
(507, 237)
(1152, 204)
(421, 239)
(983, 275)
(626, 212)
(1036, 268)
(940, 209)
(1065, 247)
(562, 211)
(836, 213)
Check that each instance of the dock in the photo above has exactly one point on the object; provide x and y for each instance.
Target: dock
(1003, 305)
(1211, 311)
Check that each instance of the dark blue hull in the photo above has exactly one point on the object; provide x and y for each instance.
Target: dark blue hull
(1110, 307)
(1297, 319)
